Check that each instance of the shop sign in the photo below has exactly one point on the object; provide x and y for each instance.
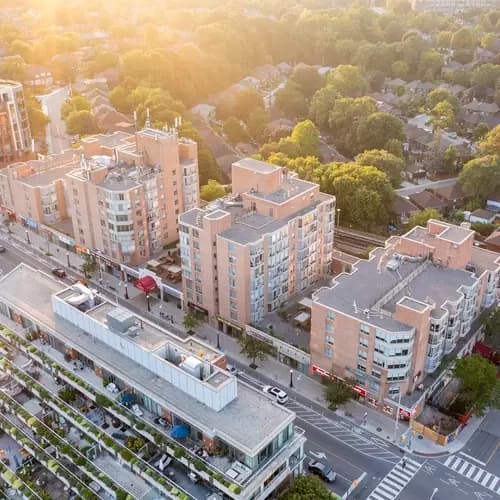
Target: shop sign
(66, 240)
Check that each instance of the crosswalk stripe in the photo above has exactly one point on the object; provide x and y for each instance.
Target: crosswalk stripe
(478, 475)
(376, 496)
(494, 483)
(449, 460)
(457, 462)
(396, 480)
(386, 487)
(470, 471)
(462, 469)
(484, 482)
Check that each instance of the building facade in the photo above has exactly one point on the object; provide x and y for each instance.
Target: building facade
(126, 205)
(252, 443)
(244, 256)
(453, 6)
(15, 135)
(389, 323)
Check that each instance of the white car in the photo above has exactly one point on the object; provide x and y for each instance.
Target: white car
(281, 396)
(232, 370)
(137, 411)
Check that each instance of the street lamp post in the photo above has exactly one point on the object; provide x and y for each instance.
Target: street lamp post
(365, 418)
(434, 493)
(147, 302)
(396, 425)
(125, 292)
(67, 257)
(28, 237)
(218, 340)
(291, 378)
(338, 216)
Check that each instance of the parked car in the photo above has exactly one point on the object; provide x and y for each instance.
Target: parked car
(281, 396)
(119, 435)
(161, 421)
(322, 470)
(137, 411)
(232, 369)
(60, 273)
(2, 249)
(193, 477)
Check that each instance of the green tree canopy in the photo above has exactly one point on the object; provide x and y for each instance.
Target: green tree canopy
(377, 129)
(212, 191)
(480, 177)
(442, 115)
(291, 102)
(421, 218)
(81, 123)
(386, 162)
(76, 103)
(37, 118)
(234, 131)
(439, 95)
(486, 75)
(491, 324)
(321, 105)
(254, 349)
(241, 106)
(257, 123)
(491, 143)
(307, 80)
(480, 131)
(338, 393)
(462, 39)
(306, 136)
(478, 381)
(348, 81)
(305, 487)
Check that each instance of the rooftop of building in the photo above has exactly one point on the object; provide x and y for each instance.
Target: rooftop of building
(11, 84)
(256, 165)
(484, 260)
(248, 421)
(289, 188)
(44, 178)
(109, 140)
(450, 232)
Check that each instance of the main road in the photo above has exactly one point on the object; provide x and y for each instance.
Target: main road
(57, 138)
(350, 449)
(406, 191)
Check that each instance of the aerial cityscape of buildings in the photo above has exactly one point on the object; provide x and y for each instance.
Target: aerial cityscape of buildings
(250, 251)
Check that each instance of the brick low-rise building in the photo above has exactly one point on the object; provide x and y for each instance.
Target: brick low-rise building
(389, 323)
(244, 256)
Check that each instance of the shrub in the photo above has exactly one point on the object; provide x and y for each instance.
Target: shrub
(126, 455)
(140, 425)
(179, 453)
(103, 401)
(198, 465)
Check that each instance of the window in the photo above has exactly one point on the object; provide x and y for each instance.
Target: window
(330, 315)
(329, 339)
(234, 315)
(364, 329)
(329, 328)
(231, 247)
(363, 342)
(393, 390)
(361, 366)
(362, 354)
(233, 305)
(328, 352)
(376, 373)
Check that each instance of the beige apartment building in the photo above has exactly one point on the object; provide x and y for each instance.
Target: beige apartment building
(126, 206)
(389, 323)
(33, 191)
(122, 192)
(245, 255)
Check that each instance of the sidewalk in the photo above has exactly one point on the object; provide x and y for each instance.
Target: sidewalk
(375, 422)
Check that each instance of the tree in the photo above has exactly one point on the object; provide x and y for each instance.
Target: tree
(212, 191)
(118, 97)
(450, 160)
(13, 68)
(480, 177)
(478, 381)
(321, 105)
(439, 95)
(81, 123)
(491, 323)
(462, 39)
(291, 102)
(348, 81)
(307, 80)
(257, 123)
(307, 487)
(37, 118)
(442, 115)
(400, 69)
(190, 321)
(421, 218)
(254, 349)
(491, 143)
(430, 65)
(76, 103)
(485, 75)
(377, 129)
(89, 266)
(338, 393)
(480, 131)
(234, 131)
(384, 161)
(306, 136)
(245, 103)
(443, 39)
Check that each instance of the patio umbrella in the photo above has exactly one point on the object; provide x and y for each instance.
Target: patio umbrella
(127, 399)
(179, 432)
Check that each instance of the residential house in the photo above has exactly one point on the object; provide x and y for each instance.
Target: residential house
(480, 112)
(493, 203)
(404, 209)
(427, 199)
(452, 195)
(38, 76)
(482, 216)
(492, 242)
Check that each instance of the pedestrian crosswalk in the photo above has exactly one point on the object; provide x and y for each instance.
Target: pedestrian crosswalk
(474, 473)
(394, 483)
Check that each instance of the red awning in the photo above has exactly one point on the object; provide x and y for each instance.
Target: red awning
(147, 284)
(482, 349)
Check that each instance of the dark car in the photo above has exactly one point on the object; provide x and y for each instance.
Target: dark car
(119, 436)
(2, 249)
(322, 470)
(60, 273)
